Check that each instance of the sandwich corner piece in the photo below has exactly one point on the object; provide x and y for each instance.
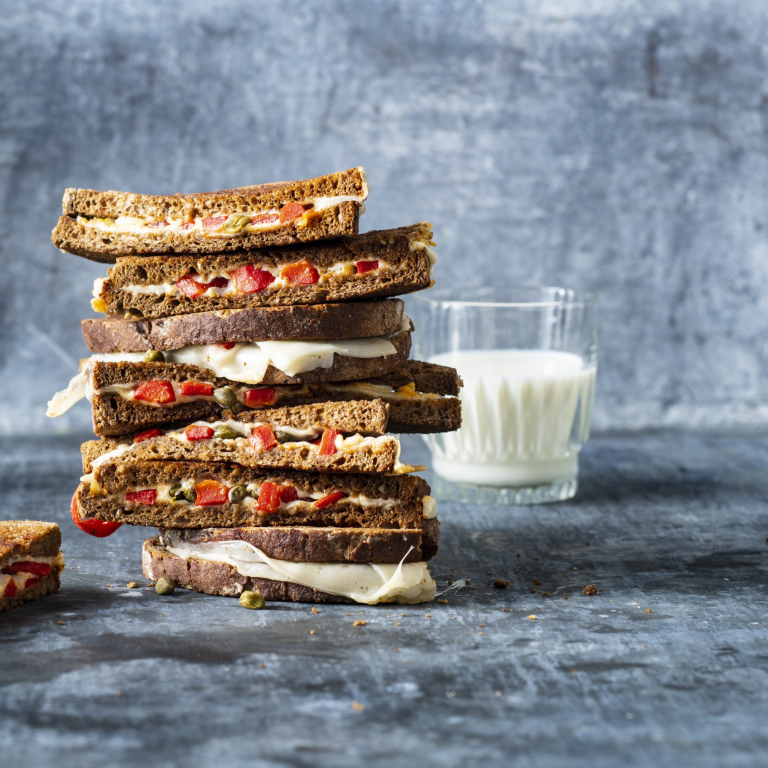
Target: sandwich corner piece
(31, 561)
(103, 225)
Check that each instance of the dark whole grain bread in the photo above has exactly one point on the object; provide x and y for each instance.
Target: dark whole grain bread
(46, 586)
(428, 377)
(105, 246)
(222, 579)
(114, 415)
(405, 491)
(29, 538)
(303, 322)
(407, 270)
(304, 544)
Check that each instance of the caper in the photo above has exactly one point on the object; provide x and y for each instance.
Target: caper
(190, 494)
(225, 433)
(164, 586)
(253, 600)
(235, 223)
(225, 396)
(237, 493)
(237, 408)
(154, 356)
(283, 437)
(177, 493)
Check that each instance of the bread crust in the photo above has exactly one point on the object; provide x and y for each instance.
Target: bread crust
(112, 204)
(407, 271)
(294, 323)
(304, 544)
(30, 538)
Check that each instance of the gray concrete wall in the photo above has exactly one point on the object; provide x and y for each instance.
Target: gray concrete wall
(614, 145)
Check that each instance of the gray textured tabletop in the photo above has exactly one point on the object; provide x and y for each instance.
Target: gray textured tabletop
(667, 665)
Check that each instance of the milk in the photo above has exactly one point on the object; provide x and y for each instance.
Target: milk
(526, 414)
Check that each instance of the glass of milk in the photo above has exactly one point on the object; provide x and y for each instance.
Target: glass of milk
(528, 358)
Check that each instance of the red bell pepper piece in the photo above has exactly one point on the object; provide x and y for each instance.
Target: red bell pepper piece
(211, 493)
(33, 582)
(193, 388)
(157, 391)
(262, 438)
(198, 432)
(269, 497)
(300, 273)
(288, 494)
(366, 266)
(148, 434)
(250, 279)
(328, 442)
(98, 528)
(158, 224)
(261, 396)
(212, 223)
(290, 212)
(217, 282)
(190, 287)
(227, 344)
(148, 496)
(329, 500)
(189, 225)
(10, 589)
(266, 218)
(28, 566)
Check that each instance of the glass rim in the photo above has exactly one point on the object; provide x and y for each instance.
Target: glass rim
(572, 297)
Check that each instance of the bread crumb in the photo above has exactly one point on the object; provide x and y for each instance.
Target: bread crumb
(131, 585)
(311, 631)
(537, 582)
(359, 623)
(489, 573)
(262, 666)
(443, 602)
(397, 623)
(357, 706)
(565, 597)
(533, 618)
(427, 615)
(590, 590)
(545, 594)
(314, 610)
(575, 568)
(60, 623)
(479, 625)
(479, 633)
(534, 590)
(500, 584)
(648, 610)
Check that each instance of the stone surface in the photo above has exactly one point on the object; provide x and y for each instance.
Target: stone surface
(675, 524)
(616, 145)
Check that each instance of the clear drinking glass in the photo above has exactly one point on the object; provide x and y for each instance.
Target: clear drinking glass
(528, 358)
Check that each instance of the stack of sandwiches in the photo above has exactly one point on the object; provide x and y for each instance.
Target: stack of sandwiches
(247, 385)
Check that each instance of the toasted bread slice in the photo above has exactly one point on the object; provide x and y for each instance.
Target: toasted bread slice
(421, 396)
(369, 501)
(30, 561)
(370, 266)
(217, 577)
(297, 323)
(307, 544)
(103, 225)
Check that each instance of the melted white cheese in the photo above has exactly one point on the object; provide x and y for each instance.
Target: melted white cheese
(429, 507)
(367, 583)
(431, 253)
(246, 362)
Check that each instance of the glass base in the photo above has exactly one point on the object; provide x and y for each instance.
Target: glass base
(494, 496)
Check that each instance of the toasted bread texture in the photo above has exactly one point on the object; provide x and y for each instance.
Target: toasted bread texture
(404, 267)
(115, 415)
(296, 323)
(30, 538)
(305, 544)
(46, 586)
(405, 494)
(100, 245)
